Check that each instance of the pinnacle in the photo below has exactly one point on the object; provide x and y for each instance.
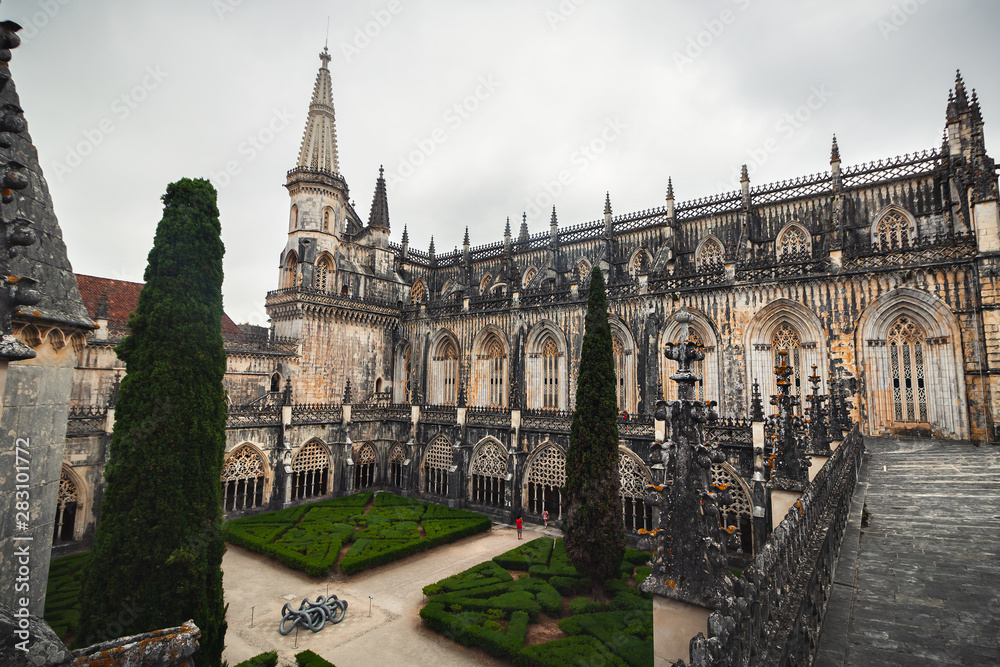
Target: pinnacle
(670, 188)
(744, 176)
(465, 242)
(379, 216)
(835, 151)
(319, 140)
(506, 230)
(553, 221)
(406, 236)
(607, 203)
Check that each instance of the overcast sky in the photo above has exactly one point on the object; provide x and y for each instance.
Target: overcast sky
(478, 110)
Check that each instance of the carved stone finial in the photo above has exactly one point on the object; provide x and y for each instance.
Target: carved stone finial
(791, 466)
(756, 405)
(286, 395)
(819, 438)
(689, 563)
(347, 392)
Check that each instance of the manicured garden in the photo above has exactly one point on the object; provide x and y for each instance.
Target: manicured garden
(509, 606)
(375, 528)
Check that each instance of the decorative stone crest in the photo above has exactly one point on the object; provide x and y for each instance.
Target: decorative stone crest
(819, 436)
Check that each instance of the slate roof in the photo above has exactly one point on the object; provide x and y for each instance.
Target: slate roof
(122, 297)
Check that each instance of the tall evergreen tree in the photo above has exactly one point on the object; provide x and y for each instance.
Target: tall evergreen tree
(158, 551)
(595, 530)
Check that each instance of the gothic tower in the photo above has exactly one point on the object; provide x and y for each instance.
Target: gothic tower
(338, 290)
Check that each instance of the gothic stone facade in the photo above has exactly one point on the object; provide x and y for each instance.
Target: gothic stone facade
(451, 376)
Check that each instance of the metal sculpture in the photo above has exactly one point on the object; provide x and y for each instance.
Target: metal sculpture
(313, 615)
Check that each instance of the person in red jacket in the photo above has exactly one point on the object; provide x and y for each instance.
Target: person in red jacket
(519, 525)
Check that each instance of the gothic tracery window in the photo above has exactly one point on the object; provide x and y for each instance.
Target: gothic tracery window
(437, 465)
(545, 482)
(485, 283)
(529, 275)
(364, 467)
(397, 456)
(324, 271)
(417, 291)
(786, 338)
(621, 357)
(243, 478)
(495, 368)
(583, 272)
(489, 474)
(698, 367)
(738, 516)
(906, 358)
(66, 508)
(310, 472)
(445, 378)
(793, 243)
(289, 274)
(550, 375)
(711, 255)
(893, 230)
(634, 478)
(640, 263)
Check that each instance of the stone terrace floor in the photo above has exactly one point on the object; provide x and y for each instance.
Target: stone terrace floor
(920, 585)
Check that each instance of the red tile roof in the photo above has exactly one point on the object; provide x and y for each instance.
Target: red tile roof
(123, 296)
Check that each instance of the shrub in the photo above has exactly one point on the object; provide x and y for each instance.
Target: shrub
(637, 557)
(568, 585)
(628, 634)
(269, 659)
(309, 659)
(535, 552)
(587, 606)
(641, 573)
(570, 652)
(483, 574)
(385, 499)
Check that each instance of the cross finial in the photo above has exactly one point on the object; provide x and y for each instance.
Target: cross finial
(325, 57)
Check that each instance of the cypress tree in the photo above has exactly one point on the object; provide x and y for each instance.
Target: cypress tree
(157, 555)
(595, 530)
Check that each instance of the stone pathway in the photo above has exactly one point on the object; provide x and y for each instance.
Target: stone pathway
(920, 585)
(392, 636)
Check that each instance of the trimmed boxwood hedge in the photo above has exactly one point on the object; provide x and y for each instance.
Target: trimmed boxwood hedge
(269, 659)
(310, 537)
(309, 659)
(535, 552)
(471, 607)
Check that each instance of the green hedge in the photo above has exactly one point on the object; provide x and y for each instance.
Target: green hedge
(569, 652)
(559, 564)
(535, 552)
(310, 537)
(62, 598)
(628, 634)
(483, 574)
(469, 629)
(269, 659)
(309, 659)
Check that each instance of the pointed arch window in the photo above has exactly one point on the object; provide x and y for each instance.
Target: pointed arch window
(489, 474)
(621, 370)
(324, 274)
(496, 365)
(906, 359)
(786, 338)
(289, 275)
(401, 385)
(634, 478)
(444, 375)
(326, 220)
(529, 275)
(550, 374)
(310, 472)
(711, 255)
(893, 230)
(794, 243)
(640, 263)
(545, 481)
(66, 508)
(583, 271)
(698, 367)
(484, 284)
(437, 465)
(418, 291)
(397, 456)
(364, 467)
(243, 479)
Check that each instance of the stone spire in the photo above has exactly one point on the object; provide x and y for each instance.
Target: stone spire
(834, 151)
(671, 212)
(379, 216)
(319, 141)
(523, 234)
